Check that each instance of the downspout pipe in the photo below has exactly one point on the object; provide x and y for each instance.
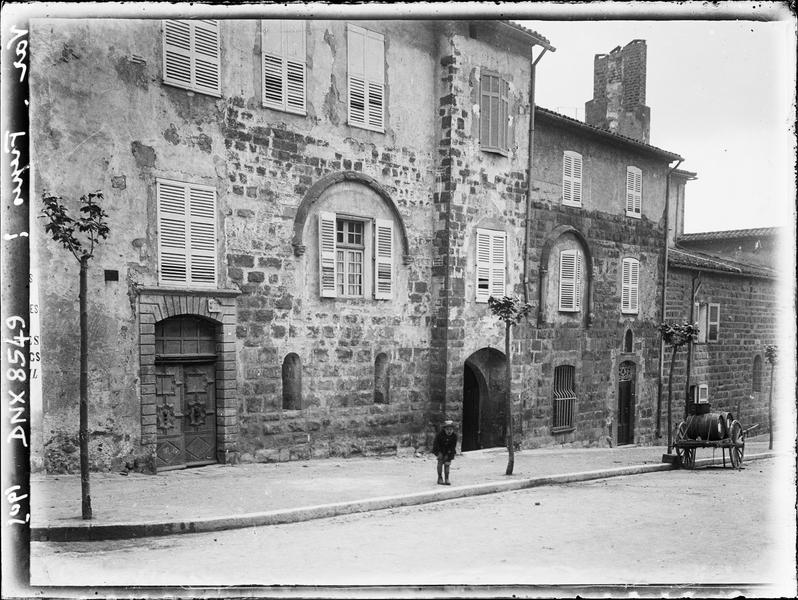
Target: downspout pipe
(664, 288)
(531, 161)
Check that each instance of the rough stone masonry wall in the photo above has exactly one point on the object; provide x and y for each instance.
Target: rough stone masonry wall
(595, 350)
(274, 159)
(475, 189)
(749, 318)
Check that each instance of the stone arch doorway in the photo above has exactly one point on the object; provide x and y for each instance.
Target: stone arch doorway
(185, 392)
(484, 394)
(626, 402)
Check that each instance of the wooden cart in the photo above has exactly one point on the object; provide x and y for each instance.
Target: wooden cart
(710, 430)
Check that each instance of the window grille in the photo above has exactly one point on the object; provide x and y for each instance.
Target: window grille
(564, 399)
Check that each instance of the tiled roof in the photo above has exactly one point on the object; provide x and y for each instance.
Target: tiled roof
(730, 234)
(542, 40)
(679, 257)
(607, 134)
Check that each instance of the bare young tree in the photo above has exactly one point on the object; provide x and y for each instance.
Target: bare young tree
(675, 335)
(80, 236)
(771, 354)
(510, 311)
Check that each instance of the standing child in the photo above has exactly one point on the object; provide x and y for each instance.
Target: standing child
(444, 447)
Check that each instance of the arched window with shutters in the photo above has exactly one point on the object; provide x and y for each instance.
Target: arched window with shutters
(381, 379)
(292, 382)
(756, 375)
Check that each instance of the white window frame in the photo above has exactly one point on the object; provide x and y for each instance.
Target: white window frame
(634, 192)
(192, 55)
(187, 234)
(630, 286)
(569, 291)
(379, 270)
(365, 78)
(702, 312)
(572, 178)
(502, 124)
(491, 262)
(284, 65)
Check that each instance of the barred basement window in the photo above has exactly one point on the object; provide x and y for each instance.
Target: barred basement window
(564, 399)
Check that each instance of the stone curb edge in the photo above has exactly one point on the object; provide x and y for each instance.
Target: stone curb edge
(117, 531)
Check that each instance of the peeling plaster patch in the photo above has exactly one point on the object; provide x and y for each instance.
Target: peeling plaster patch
(118, 182)
(330, 100)
(330, 40)
(171, 135)
(67, 53)
(132, 72)
(204, 143)
(144, 155)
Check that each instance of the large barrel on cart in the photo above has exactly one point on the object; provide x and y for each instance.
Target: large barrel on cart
(704, 429)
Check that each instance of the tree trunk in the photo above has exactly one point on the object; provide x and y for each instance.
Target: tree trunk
(509, 403)
(83, 436)
(770, 409)
(670, 387)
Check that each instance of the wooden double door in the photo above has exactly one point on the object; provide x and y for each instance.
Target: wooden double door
(185, 414)
(626, 403)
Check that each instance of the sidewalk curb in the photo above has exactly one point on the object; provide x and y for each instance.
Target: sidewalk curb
(115, 531)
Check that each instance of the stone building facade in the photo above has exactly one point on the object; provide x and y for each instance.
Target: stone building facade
(307, 219)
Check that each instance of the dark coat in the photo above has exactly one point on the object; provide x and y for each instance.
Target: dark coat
(445, 444)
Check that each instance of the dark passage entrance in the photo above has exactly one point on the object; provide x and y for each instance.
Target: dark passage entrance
(484, 395)
(470, 410)
(626, 403)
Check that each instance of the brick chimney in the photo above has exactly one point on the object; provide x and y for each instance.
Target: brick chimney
(619, 92)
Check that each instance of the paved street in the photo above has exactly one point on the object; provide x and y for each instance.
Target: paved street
(711, 525)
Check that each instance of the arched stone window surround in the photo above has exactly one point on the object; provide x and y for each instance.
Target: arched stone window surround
(628, 341)
(545, 254)
(218, 306)
(292, 382)
(318, 188)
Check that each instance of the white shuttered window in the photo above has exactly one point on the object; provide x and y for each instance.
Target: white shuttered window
(191, 55)
(572, 178)
(344, 265)
(491, 260)
(283, 52)
(630, 282)
(570, 292)
(365, 78)
(634, 191)
(186, 234)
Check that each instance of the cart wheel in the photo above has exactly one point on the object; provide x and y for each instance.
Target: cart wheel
(681, 432)
(688, 458)
(738, 444)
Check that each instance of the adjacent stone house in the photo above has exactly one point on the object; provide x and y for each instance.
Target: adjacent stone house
(307, 219)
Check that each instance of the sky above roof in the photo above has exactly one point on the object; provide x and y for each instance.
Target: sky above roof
(721, 94)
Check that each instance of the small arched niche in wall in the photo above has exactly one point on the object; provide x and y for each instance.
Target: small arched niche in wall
(292, 382)
(381, 379)
(628, 341)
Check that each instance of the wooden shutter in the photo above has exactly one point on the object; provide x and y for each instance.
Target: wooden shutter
(570, 281)
(483, 260)
(327, 262)
(634, 189)
(498, 261)
(191, 55)
(283, 47)
(186, 234)
(630, 286)
(365, 78)
(383, 259)
(713, 322)
(572, 178)
(494, 113)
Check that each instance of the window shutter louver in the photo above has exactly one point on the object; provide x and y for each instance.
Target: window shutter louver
(572, 178)
(578, 283)
(365, 78)
(634, 188)
(383, 260)
(283, 47)
(568, 281)
(186, 234)
(191, 55)
(498, 264)
(483, 265)
(630, 285)
(327, 275)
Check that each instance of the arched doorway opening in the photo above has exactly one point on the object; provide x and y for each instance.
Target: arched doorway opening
(185, 392)
(484, 396)
(626, 402)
